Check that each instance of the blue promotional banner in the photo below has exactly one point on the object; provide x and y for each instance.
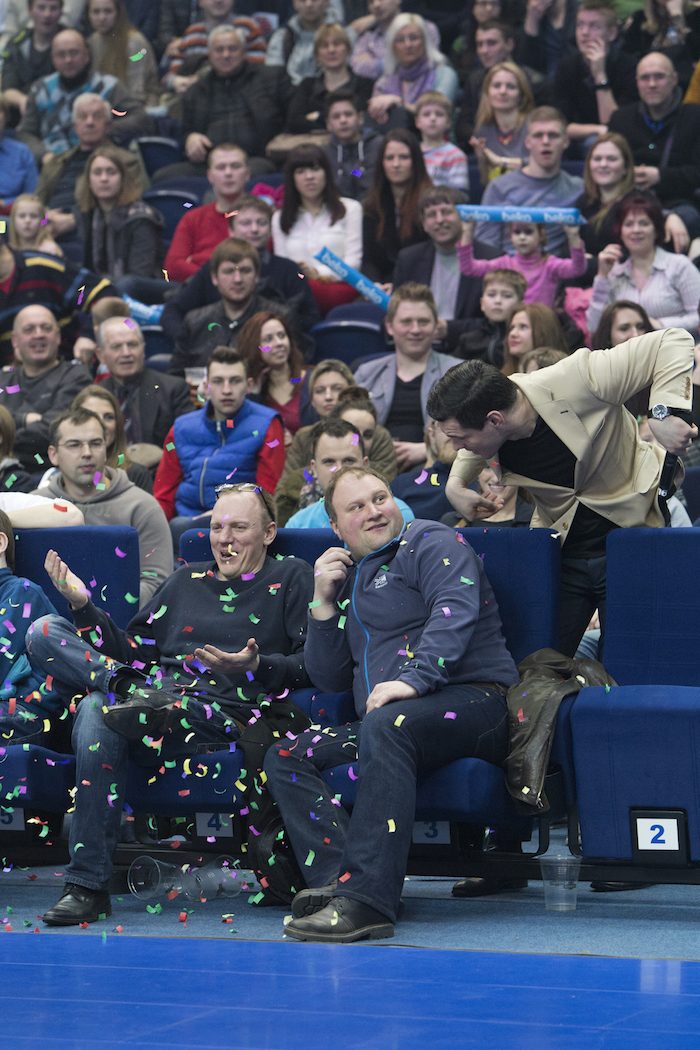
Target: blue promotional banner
(483, 213)
(367, 289)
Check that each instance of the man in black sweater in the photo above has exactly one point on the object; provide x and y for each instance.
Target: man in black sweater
(186, 672)
(664, 136)
(150, 401)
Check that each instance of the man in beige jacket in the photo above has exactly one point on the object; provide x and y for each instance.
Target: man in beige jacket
(564, 434)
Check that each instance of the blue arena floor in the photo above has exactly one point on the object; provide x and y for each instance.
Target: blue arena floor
(69, 992)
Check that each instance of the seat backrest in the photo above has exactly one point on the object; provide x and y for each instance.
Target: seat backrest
(156, 340)
(347, 340)
(522, 566)
(157, 152)
(691, 491)
(172, 205)
(298, 543)
(105, 557)
(653, 606)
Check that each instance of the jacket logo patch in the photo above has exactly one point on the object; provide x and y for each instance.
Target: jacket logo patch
(380, 581)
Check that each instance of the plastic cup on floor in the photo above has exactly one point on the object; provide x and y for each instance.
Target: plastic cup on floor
(149, 878)
(221, 878)
(560, 877)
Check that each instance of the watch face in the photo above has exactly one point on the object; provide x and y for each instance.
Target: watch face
(660, 411)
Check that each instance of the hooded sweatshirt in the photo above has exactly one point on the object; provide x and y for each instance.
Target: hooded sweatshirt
(122, 503)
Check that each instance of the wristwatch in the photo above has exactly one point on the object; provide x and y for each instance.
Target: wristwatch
(664, 411)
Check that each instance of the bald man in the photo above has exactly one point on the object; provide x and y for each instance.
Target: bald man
(664, 137)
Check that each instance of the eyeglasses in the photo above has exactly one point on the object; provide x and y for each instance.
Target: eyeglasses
(94, 445)
(266, 499)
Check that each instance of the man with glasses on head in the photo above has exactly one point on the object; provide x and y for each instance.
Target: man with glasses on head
(664, 136)
(78, 449)
(190, 669)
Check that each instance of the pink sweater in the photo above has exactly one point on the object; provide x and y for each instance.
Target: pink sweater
(541, 274)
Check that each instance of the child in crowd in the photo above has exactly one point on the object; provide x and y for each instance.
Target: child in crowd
(447, 165)
(541, 271)
(30, 230)
(353, 148)
(484, 337)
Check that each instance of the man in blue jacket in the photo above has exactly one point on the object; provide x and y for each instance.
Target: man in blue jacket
(406, 617)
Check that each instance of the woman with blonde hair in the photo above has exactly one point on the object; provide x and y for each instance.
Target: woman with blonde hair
(121, 234)
(412, 66)
(500, 125)
(30, 230)
(307, 105)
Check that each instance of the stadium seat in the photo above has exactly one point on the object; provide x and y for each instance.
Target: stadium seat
(106, 557)
(307, 544)
(347, 340)
(172, 205)
(637, 745)
(156, 340)
(158, 152)
(368, 313)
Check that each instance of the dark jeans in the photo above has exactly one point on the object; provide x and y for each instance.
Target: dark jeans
(101, 755)
(389, 749)
(582, 591)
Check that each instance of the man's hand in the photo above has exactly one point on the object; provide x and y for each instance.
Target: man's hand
(470, 504)
(595, 52)
(646, 177)
(409, 454)
(387, 692)
(330, 573)
(196, 146)
(66, 581)
(611, 254)
(673, 433)
(32, 417)
(248, 659)
(379, 106)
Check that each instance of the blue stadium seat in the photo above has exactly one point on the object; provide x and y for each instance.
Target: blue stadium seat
(347, 340)
(157, 341)
(307, 544)
(172, 205)
(637, 745)
(369, 313)
(157, 152)
(106, 557)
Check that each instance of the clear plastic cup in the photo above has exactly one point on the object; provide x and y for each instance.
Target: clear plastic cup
(560, 877)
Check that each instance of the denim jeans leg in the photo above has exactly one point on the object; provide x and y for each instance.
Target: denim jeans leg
(315, 820)
(55, 648)
(100, 767)
(398, 743)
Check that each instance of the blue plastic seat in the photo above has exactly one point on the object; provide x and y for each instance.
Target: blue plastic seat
(347, 340)
(157, 341)
(157, 152)
(691, 491)
(172, 205)
(637, 745)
